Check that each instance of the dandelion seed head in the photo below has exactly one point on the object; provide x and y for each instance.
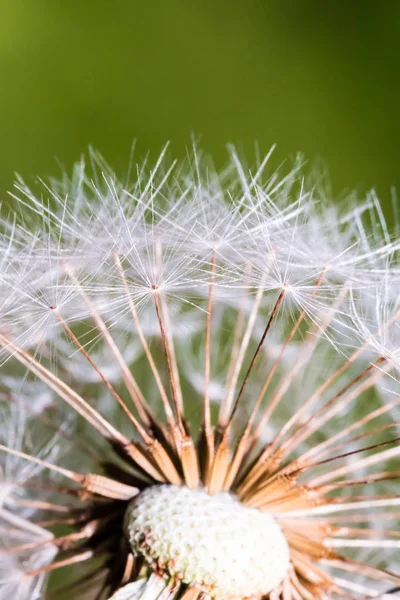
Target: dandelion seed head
(199, 385)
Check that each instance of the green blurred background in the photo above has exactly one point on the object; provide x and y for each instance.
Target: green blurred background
(316, 76)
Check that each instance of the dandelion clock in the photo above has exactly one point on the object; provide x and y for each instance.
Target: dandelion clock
(199, 391)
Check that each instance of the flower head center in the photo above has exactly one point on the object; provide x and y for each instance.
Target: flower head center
(229, 550)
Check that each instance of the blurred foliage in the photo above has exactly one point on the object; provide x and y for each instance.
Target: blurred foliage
(319, 77)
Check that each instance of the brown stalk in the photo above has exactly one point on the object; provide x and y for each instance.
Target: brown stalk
(287, 589)
(97, 484)
(256, 353)
(64, 541)
(40, 505)
(63, 390)
(276, 487)
(77, 558)
(312, 424)
(315, 550)
(362, 462)
(191, 593)
(171, 349)
(117, 397)
(298, 414)
(167, 408)
(190, 463)
(225, 408)
(244, 442)
(167, 354)
(308, 569)
(52, 522)
(219, 468)
(129, 568)
(376, 477)
(69, 395)
(264, 467)
(316, 530)
(131, 385)
(300, 589)
(359, 568)
(242, 446)
(367, 533)
(319, 448)
(184, 442)
(73, 439)
(75, 493)
(300, 462)
(285, 384)
(294, 440)
(237, 461)
(206, 451)
(156, 450)
(163, 461)
(206, 399)
(299, 498)
(234, 355)
(386, 516)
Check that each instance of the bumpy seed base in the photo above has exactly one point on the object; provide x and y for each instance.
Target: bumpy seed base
(230, 551)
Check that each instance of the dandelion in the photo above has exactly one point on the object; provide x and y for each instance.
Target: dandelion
(199, 388)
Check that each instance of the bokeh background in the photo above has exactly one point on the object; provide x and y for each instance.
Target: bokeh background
(315, 76)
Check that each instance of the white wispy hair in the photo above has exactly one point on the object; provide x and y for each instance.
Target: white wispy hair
(165, 231)
(14, 567)
(92, 265)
